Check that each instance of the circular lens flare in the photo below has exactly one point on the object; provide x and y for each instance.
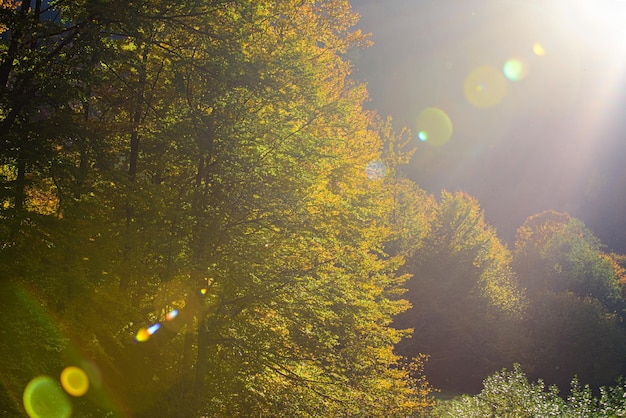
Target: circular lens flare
(375, 170)
(514, 69)
(75, 381)
(538, 49)
(485, 87)
(43, 398)
(434, 126)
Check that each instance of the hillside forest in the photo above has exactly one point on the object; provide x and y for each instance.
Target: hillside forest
(199, 216)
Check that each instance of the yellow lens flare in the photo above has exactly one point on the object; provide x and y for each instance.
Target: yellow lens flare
(485, 87)
(43, 398)
(538, 49)
(434, 126)
(75, 381)
(144, 334)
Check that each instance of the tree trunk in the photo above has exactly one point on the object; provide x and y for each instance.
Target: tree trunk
(137, 112)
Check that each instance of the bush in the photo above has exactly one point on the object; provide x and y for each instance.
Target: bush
(510, 394)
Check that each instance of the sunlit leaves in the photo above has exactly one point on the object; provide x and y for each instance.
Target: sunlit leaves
(574, 296)
(217, 146)
(509, 393)
(555, 252)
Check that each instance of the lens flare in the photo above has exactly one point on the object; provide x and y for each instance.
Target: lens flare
(43, 398)
(203, 291)
(74, 380)
(375, 170)
(514, 69)
(93, 373)
(171, 315)
(142, 335)
(434, 126)
(154, 328)
(538, 49)
(485, 87)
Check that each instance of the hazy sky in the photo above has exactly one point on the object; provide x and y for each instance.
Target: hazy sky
(548, 131)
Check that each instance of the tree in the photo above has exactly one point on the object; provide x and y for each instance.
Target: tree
(463, 293)
(556, 252)
(572, 336)
(216, 166)
(572, 324)
(508, 393)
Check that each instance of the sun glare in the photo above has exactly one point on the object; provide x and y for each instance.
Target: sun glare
(600, 21)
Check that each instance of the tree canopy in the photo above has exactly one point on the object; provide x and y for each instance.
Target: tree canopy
(463, 293)
(198, 212)
(209, 159)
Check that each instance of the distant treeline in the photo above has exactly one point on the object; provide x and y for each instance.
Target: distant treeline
(554, 304)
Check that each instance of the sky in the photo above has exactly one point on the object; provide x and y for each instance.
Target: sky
(521, 104)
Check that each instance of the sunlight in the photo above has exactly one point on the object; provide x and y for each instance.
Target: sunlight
(599, 20)
(597, 28)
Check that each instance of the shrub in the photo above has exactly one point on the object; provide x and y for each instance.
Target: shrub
(509, 394)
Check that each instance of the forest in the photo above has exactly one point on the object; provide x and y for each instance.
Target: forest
(201, 216)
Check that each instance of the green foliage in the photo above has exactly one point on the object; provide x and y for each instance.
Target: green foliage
(510, 394)
(573, 325)
(463, 291)
(202, 145)
(555, 252)
(573, 336)
(152, 149)
(507, 394)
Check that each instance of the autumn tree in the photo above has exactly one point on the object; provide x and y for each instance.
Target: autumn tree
(463, 294)
(215, 164)
(556, 252)
(573, 319)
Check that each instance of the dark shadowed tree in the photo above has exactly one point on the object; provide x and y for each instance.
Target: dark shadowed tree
(573, 323)
(463, 294)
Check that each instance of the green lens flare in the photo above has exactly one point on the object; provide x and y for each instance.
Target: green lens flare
(514, 69)
(44, 398)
